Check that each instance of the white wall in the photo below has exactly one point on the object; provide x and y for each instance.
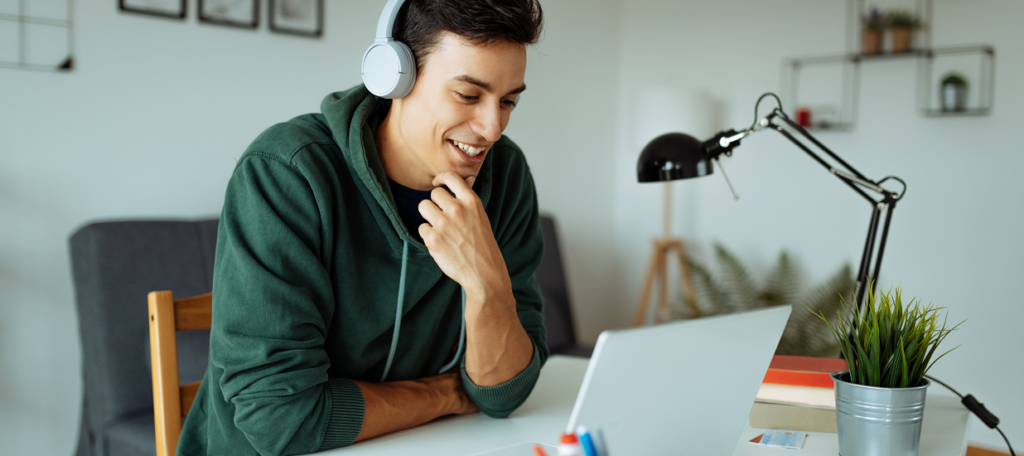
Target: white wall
(154, 103)
(151, 122)
(954, 239)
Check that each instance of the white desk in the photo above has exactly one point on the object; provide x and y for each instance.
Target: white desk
(943, 433)
(544, 415)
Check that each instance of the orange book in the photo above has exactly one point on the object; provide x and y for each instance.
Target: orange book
(803, 371)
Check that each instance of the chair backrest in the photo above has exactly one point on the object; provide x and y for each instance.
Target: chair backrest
(171, 401)
(114, 265)
(558, 321)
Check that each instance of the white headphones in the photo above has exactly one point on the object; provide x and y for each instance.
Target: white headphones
(389, 68)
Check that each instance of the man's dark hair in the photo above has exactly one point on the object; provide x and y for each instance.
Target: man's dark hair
(420, 22)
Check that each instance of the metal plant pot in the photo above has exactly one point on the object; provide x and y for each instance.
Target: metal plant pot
(954, 97)
(878, 421)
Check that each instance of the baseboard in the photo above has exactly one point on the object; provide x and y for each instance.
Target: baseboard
(978, 451)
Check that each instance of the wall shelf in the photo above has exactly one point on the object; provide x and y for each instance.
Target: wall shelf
(843, 114)
(57, 53)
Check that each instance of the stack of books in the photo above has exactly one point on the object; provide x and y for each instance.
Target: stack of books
(797, 394)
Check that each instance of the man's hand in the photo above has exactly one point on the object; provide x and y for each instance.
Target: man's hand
(396, 406)
(459, 237)
(460, 240)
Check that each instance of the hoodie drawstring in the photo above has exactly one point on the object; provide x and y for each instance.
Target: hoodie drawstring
(398, 311)
(398, 320)
(462, 338)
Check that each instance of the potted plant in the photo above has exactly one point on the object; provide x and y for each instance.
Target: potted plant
(953, 92)
(889, 348)
(874, 26)
(902, 23)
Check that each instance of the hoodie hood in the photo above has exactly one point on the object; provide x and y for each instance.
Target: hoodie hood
(353, 117)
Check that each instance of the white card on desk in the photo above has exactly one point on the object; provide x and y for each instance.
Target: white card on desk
(790, 440)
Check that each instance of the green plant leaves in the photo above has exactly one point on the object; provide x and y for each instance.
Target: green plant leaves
(889, 344)
(733, 290)
(783, 283)
(736, 282)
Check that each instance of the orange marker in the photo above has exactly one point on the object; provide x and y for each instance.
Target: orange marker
(538, 451)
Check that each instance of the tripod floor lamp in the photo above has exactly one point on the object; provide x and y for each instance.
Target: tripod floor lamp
(679, 156)
(657, 271)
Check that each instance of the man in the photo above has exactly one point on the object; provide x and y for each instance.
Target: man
(365, 249)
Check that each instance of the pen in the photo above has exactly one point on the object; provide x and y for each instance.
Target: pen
(586, 442)
(538, 451)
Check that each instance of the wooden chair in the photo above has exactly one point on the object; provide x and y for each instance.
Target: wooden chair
(171, 401)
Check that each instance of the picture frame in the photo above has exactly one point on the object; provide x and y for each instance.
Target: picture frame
(234, 13)
(297, 17)
(171, 9)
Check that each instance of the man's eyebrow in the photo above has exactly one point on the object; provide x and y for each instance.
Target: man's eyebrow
(483, 85)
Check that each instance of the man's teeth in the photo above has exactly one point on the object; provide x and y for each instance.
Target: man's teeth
(469, 150)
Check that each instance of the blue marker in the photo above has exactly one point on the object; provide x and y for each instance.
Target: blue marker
(586, 441)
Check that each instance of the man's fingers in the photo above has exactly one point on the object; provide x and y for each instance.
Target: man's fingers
(443, 199)
(430, 212)
(470, 181)
(424, 230)
(455, 183)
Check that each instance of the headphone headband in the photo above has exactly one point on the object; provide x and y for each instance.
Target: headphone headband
(386, 25)
(389, 66)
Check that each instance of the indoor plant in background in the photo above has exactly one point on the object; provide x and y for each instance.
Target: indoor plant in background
(902, 24)
(874, 26)
(731, 288)
(953, 92)
(889, 347)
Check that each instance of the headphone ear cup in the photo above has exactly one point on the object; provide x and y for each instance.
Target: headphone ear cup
(389, 69)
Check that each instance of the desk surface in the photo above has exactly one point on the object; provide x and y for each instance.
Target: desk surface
(545, 414)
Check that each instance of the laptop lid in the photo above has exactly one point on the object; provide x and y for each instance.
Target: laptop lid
(678, 388)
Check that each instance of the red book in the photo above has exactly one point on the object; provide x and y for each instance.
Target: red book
(803, 371)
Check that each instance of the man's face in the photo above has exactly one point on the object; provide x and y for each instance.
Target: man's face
(460, 105)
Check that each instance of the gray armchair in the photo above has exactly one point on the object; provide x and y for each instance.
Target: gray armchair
(114, 266)
(558, 320)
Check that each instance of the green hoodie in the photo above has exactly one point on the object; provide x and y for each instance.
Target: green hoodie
(310, 271)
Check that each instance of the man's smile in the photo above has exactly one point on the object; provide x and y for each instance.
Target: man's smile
(469, 149)
(468, 154)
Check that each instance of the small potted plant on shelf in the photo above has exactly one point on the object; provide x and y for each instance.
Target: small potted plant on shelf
(874, 26)
(953, 92)
(889, 348)
(902, 23)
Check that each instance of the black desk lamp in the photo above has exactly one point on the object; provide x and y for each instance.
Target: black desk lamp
(679, 156)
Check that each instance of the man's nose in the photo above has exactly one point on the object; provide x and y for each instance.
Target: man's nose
(488, 123)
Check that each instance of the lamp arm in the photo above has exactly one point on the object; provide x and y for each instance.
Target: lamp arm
(724, 142)
(851, 176)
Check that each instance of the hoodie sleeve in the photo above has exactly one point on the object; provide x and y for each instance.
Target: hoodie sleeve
(516, 224)
(272, 305)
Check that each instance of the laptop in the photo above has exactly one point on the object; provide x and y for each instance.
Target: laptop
(677, 388)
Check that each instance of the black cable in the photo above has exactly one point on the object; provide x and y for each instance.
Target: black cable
(1007, 442)
(961, 396)
(758, 104)
(902, 193)
(978, 409)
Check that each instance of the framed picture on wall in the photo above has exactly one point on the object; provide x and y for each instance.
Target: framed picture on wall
(236, 13)
(174, 9)
(297, 17)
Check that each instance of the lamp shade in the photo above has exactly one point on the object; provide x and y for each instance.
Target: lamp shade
(672, 156)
